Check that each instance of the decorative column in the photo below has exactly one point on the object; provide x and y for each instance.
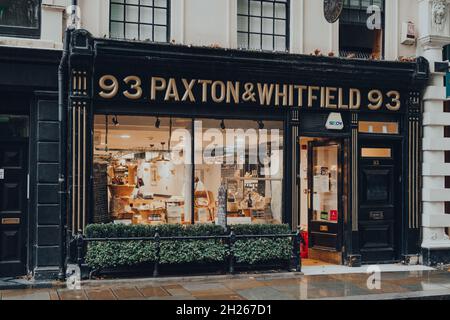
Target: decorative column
(434, 31)
(80, 132)
(353, 255)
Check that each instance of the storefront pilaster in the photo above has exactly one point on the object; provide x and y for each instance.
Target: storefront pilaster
(435, 34)
(353, 255)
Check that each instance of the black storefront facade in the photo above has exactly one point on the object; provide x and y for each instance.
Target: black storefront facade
(30, 239)
(319, 101)
(365, 113)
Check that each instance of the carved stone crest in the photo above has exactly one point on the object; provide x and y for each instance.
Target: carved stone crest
(439, 12)
(332, 9)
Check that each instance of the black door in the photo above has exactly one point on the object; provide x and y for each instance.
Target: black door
(325, 194)
(379, 195)
(13, 207)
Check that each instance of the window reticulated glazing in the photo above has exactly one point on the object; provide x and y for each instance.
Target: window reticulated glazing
(144, 20)
(263, 25)
(20, 18)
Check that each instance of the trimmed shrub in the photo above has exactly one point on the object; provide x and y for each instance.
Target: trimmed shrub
(113, 254)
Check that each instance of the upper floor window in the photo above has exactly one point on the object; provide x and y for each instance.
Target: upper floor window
(20, 18)
(361, 33)
(145, 20)
(263, 24)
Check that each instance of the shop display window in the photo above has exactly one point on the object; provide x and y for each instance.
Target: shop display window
(143, 167)
(247, 157)
(144, 173)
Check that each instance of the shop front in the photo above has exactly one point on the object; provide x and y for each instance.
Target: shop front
(325, 144)
(29, 157)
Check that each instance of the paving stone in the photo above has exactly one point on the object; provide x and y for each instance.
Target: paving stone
(100, 294)
(178, 292)
(280, 282)
(244, 284)
(153, 291)
(172, 298)
(195, 287)
(72, 294)
(264, 293)
(37, 295)
(172, 286)
(127, 293)
(423, 286)
(205, 289)
(54, 295)
(221, 297)
(322, 293)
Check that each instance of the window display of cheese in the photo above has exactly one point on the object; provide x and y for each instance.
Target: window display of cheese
(253, 200)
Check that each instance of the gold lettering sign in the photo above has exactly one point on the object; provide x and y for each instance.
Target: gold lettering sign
(237, 92)
(324, 228)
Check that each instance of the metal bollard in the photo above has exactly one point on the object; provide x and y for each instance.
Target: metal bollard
(158, 250)
(80, 248)
(296, 251)
(232, 240)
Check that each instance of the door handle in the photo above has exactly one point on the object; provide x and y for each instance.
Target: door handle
(308, 192)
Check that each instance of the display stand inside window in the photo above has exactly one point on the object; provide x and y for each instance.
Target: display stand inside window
(249, 199)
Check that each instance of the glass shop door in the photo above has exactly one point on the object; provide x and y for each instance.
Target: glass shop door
(324, 194)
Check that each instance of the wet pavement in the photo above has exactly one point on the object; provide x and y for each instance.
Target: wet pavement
(393, 285)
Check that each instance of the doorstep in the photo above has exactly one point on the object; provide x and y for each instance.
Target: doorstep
(340, 269)
(417, 295)
(10, 283)
(238, 276)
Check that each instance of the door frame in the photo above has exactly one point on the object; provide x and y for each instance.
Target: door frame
(324, 143)
(24, 227)
(341, 141)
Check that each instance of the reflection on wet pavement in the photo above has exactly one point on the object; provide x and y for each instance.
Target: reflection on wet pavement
(295, 287)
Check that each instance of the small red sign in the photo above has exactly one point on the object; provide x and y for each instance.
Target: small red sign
(333, 215)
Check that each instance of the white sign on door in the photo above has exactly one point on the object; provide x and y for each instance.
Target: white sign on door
(2, 174)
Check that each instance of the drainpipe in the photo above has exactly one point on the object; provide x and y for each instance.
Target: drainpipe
(62, 117)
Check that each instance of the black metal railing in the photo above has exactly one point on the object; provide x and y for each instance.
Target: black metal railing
(229, 239)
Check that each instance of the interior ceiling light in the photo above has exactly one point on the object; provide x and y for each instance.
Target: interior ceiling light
(222, 124)
(162, 153)
(115, 121)
(157, 123)
(261, 125)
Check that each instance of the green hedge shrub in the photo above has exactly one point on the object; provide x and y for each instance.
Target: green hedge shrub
(111, 254)
(101, 255)
(254, 251)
